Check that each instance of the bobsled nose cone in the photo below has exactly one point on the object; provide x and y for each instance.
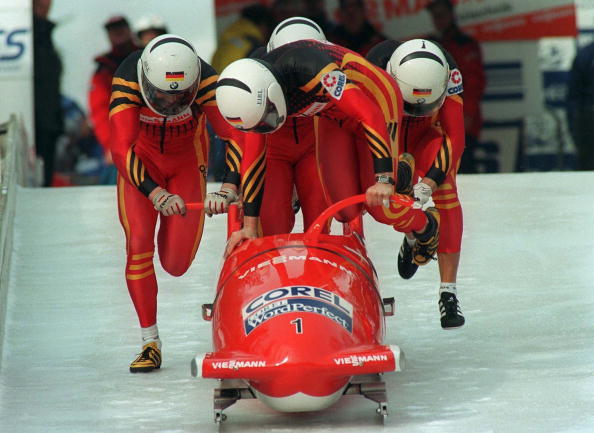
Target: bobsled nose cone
(300, 402)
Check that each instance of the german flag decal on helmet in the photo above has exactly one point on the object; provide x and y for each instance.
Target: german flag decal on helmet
(174, 76)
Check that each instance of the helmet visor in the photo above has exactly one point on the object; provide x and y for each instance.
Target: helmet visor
(271, 119)
(422, 109)
(170, 102)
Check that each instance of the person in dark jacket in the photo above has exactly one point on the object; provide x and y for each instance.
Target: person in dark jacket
(315, 10)
(580, 106)
(355, 32)
(47, 70)
(467, 53)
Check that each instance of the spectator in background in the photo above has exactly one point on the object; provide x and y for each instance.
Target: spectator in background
(355, 31)
(283, 9)
(249, 32)
(580, 106)
(122, 43)
(47, 71)
(467, 54)
(149, 27)
(316, 11)
(237, 41)
(79, 157)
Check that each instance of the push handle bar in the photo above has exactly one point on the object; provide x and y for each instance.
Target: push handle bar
(318, 225)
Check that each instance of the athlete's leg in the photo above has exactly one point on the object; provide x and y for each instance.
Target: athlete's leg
(179, 236)
(447, 202)
(138, 218)
(307, 176)
(337, 163)
(450, 210)
(276, 213)
(309, 188)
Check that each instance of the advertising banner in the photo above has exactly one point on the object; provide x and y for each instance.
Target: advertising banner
(15, 44)
(492, 20)
(16, 61)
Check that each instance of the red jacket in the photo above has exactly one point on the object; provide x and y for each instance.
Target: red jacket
(100, 93)
(467, 54)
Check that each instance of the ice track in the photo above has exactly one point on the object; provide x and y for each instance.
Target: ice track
(524, 362)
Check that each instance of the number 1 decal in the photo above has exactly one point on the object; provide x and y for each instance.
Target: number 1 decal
(298, 325)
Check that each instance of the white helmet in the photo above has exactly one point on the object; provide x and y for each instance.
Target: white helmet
(169, 74)
(422, 73)
(250, 97)
(294, 29)
(150, 22)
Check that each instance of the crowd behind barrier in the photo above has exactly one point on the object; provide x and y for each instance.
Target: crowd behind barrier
(82, 157)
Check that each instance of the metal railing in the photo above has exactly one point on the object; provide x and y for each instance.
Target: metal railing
(17, 168)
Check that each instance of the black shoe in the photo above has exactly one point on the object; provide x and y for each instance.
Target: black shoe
(406, 173)
(406, 267)
(451, 314)
(425, 248)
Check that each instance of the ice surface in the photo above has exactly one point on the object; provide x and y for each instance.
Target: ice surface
(524, 362)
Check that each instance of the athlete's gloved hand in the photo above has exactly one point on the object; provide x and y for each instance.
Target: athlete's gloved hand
(218, 202)
(422, 193)
(379, 194)
(166, 203)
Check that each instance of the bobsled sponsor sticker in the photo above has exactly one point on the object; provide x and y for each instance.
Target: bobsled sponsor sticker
(455, 82)
(297, 299)
(286, 259)
(313, 109)
(236, 365)
(360, 360)
(334, 83)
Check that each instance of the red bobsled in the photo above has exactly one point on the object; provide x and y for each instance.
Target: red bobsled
(298, 321)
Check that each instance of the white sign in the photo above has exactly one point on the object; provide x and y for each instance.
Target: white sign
(16, 62)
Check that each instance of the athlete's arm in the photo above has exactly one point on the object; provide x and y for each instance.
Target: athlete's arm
(253, 168)
(355, 104)
(253, 171)
(219, 201)
(124, 113)
(206, 101)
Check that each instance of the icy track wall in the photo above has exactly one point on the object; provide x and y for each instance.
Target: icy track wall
(15, 170)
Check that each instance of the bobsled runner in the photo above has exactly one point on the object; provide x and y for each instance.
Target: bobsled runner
(298, 321)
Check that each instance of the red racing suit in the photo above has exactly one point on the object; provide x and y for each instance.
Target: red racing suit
(356, 108)
(151, 150)
(291, 163)
(437, 144)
